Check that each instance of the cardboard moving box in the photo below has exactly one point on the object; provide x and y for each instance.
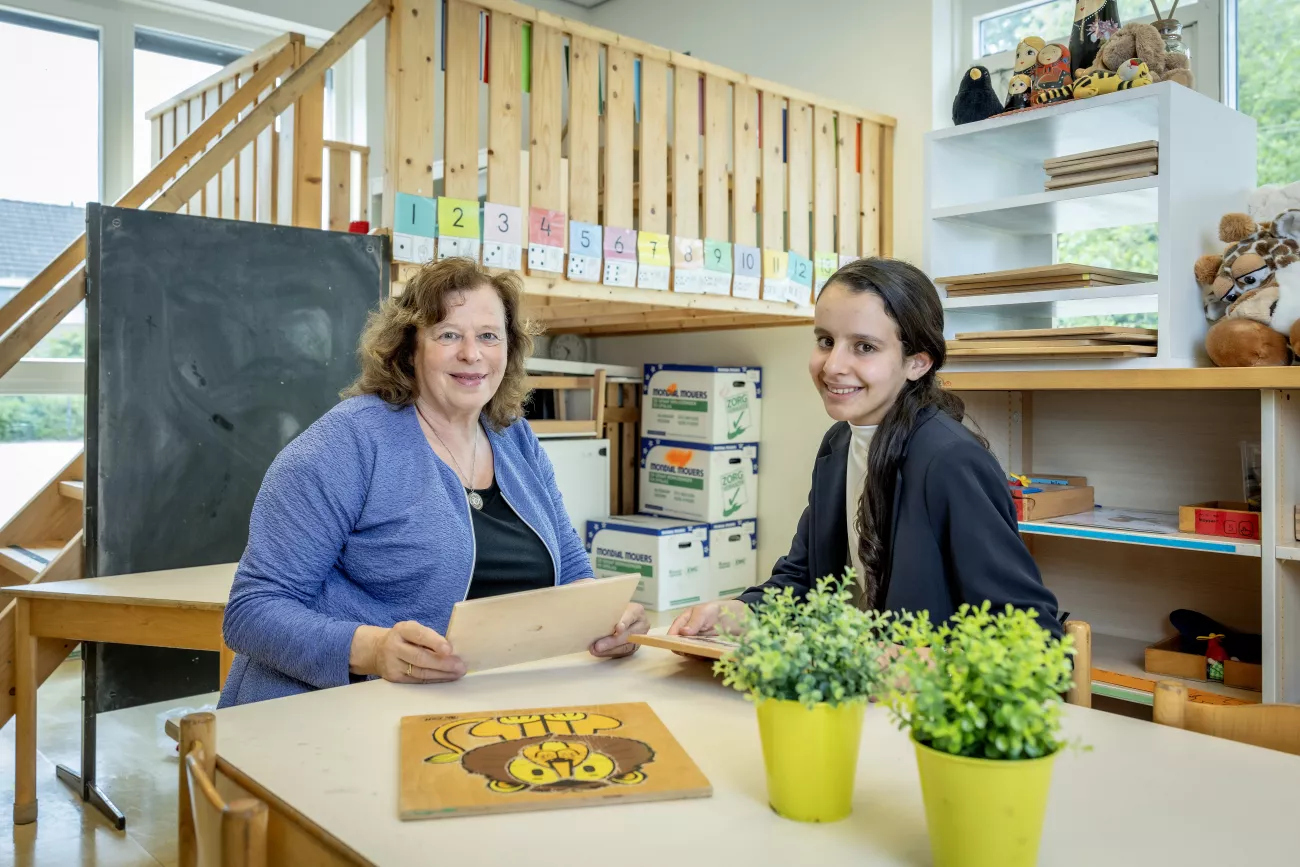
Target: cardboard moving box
(698, 404)
(670, 556)
(698, 482)
(733, 557)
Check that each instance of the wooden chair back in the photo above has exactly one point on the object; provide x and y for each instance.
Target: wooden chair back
(1081, 691)
(1272, 726)
(563, 424)
(211, 832)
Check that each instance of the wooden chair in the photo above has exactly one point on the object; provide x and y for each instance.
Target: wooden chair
(563, 425)
(1272, 726)
(1081, 692)
(212, 833)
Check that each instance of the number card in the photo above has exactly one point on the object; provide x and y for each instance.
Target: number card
(415, 225)
(501, 236)
(654, 260)
(824, 265)
(457, 228)
(546, 240)
(688, 265)
(716, 279)
(776, 266)
(748, 265)
(584, 252)
(799, 279)
(620, 257)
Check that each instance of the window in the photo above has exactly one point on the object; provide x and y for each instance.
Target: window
(1052, 19)
(163, 67)
(1263, 48)
(49, 94)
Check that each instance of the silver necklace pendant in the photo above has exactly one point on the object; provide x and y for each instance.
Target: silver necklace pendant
(474, 499)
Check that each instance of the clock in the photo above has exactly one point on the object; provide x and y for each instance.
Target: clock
(568, 347)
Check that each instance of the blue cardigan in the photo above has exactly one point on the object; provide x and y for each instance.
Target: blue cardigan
(358, 522)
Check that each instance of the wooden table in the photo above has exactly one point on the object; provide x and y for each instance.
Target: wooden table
(326, 763)
(180, 608)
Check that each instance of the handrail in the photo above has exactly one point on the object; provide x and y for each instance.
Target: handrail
(229, 71)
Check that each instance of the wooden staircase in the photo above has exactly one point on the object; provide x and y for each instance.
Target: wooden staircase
(42, 542)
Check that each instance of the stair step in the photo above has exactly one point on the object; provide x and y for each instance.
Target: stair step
(73, 490)
(28, 560)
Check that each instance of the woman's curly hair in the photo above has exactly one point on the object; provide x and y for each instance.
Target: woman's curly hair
(387, 346)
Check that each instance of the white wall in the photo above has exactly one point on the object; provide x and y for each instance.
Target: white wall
(876, 55)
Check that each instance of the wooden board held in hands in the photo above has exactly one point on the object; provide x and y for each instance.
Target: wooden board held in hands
(537, 624)
(705, 648)
(540, 759)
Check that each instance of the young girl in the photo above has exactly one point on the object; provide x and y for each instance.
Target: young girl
(901, 491)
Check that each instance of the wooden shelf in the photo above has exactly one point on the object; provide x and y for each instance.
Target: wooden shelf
(1050, 296)
(1288, 552)
(567, 307)
(1177, 541)
(1128, 379)
(1117, 672)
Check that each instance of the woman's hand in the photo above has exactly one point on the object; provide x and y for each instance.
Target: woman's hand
(704, 620)
(615, 644)
(408, 653)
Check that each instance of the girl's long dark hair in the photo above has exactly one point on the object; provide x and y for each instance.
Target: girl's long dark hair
(912, 302)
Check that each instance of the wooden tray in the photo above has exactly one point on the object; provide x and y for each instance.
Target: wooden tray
(1046, 273)
(540, 759)
(1127, 333)
(1148, 155)
(1115, 350)
(1056, 162)
(1102, 177)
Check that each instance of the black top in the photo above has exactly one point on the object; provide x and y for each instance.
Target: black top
(954, 537)
(508, 556)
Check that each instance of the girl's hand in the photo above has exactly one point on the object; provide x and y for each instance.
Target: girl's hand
(703, 620)
(408, 653)
(615, 644)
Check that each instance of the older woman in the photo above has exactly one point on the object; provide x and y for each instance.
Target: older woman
(424, 487)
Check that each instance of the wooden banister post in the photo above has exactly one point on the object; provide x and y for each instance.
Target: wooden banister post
(308, 149)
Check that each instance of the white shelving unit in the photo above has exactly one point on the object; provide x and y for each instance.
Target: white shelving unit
(986, 210)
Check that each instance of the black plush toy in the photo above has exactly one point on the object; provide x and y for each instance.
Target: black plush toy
(975, 97)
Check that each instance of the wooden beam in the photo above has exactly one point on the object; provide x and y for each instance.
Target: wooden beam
(772, 205)
(50, 312)
(584, 130)
(798, 163)
(411, 47)
(309, 150)
(850, 188)
(545, 190)
(341, 190)
(686, 154)
(619, 122)
(872, 194)
(823, 180)
(717, 144)
(744, 195)
(654, 146)
(505, 123)
(460, 118)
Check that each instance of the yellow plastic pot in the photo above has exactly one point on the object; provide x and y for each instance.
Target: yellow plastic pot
(983, 812)
(811, 757)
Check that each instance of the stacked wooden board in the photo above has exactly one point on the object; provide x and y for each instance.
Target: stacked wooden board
(1039, 279)
(1138, 160)
(1100, 341)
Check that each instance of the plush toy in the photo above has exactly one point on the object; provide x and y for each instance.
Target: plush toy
(976, 100)
(1053, 81)
(1095, 22)
(1132, 73)
(1252, 291)
(1144, 43)
(1271, 199)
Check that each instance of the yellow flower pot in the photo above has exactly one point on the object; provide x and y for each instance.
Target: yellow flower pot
(811, 757)
(983, 812)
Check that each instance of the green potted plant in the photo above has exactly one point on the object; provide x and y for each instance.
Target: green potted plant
(810, 667)
(981, 697)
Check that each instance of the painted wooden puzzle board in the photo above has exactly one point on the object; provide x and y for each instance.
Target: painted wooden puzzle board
(540, 759)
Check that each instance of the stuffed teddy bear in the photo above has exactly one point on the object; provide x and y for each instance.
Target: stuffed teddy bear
(1271, 199)
(1252, 291)
(1143, 42)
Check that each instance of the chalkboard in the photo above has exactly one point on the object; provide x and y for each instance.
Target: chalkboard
(210, 345)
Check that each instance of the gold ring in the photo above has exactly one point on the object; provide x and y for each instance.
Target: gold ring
(408, 669)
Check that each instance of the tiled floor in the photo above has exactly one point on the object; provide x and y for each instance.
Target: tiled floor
(136, 769)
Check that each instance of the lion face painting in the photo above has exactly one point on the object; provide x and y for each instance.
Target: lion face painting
(551, 752)
(510, 761)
